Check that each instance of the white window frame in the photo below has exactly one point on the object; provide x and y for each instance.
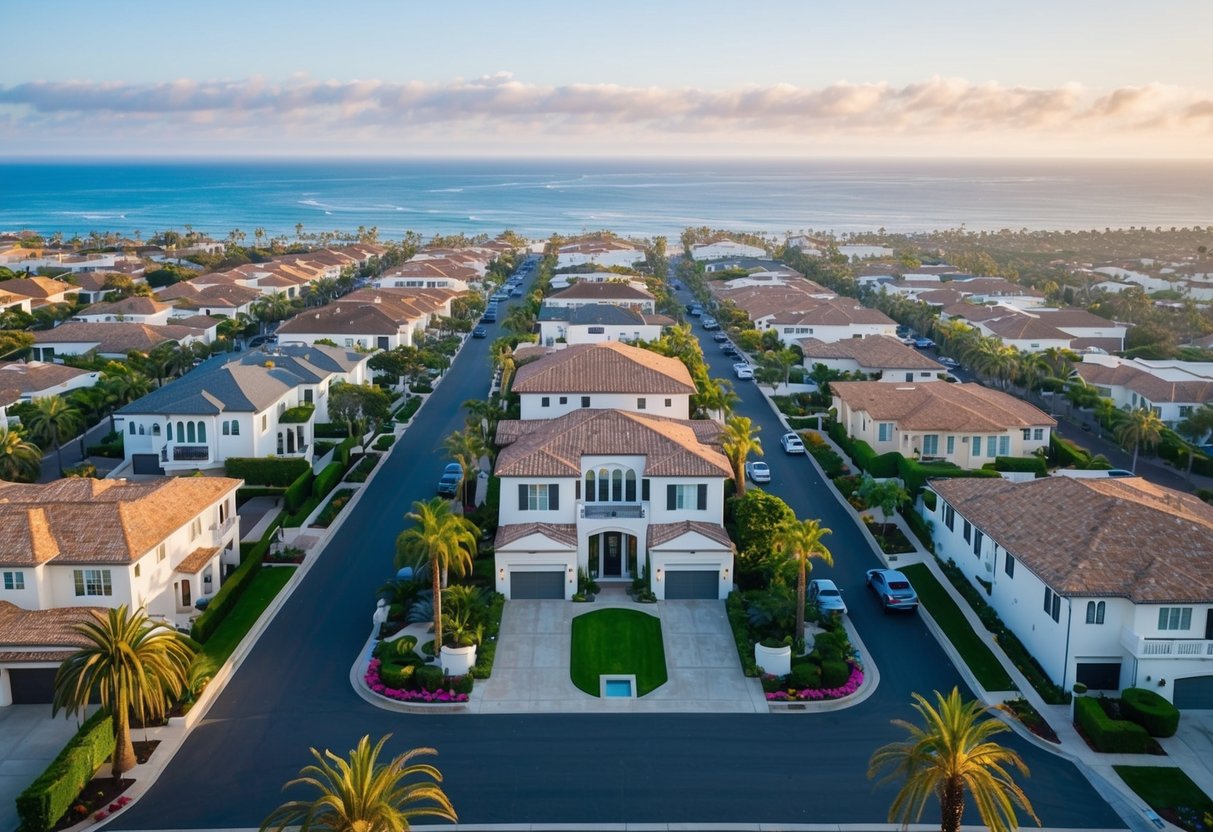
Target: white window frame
(14, 581)
(92, 583)
(1175, 618)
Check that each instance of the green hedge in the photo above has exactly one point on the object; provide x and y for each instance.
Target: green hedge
(342, 454)
(327, 479)
(330, 430)
(234, 586)
(1066, 454)
(276, 471)
(880, 466)
(50, 796)
(1112, 736)
(109, 450)
(915, 474)
(735, 609)
(411, 405)
(1149, 710)
(1033, 464)
(299, 491)
(918, 525)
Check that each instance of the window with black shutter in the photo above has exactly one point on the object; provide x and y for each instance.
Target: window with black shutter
(701, 497)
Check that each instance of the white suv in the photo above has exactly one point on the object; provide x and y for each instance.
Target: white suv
(743, 370)
(792, 443)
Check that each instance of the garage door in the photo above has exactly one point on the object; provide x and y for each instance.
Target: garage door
(1099, 675)
(537, 585)
(692, 585)
(146, 464)
(1195, 693)
(32, 686)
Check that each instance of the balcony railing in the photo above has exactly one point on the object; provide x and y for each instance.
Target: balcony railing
(186, 453)
(1158, 648)
(598, 511)
(221, 529)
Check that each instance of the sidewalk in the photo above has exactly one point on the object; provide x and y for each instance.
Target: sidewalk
(1190, 750)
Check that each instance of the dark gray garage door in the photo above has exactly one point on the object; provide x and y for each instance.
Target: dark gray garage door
(1195, 693)
(691, 585)
(146, 464)
(537, 585)
(32, 686)
(1099, 675)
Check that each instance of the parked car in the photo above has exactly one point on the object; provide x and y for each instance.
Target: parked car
(948, 362)
(924, 343)
(742, 369)
(452, 476)
(827, 596)
(696, 310)
(728, 349)
(758, 471)
(710, 324)
(893, 589)
(498, 297)
(719, 337)
(480, 332)
(490, 316)
(792, 443)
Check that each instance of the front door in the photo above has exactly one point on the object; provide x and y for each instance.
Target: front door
(185, 595)
(612, 557)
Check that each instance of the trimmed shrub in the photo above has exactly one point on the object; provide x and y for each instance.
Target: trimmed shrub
(342, 454)
(1066, 454)
(363, 469)
(50, 796)
(834, 673)
(411, 405)
(918, 525)
(299, 491)
(397, 676)
(327, 479)
(330, 430)
(1113, 736)
(1022, 463)
(880, 466)
(429, 677)
(234, 586)
(385, 441)
(830, 462)
(735, 609)
(487, 651)
(1149, 710)
(274, 471)
(329, 513)
(915, 474)
(806, 675)
(460, 684)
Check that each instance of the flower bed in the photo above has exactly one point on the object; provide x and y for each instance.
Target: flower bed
(438, 696)
(819, 694)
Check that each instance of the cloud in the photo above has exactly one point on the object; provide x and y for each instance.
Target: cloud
(500, 104)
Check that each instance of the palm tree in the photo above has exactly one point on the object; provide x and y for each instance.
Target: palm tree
(20, 461)
(362, 795)
(503, 359)
(952, 754)
(483, 416)
(739, 441)
(466, 447)
(131, 665)
(444, 540)
(1140, 427)
(801, 540)
(716, 398)
(1196, 429)
(51, 419)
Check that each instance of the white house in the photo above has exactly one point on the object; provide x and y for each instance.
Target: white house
(136, 310)
(1105, 581)
(604, 376)
(258, 404)
(831, 319)
(1172, 389)
(605, 252)
(35, 379)
(597, 322)
(109, 340)
(80, 543)
(612, 493)
(877, 355)
(618, 294)
(725, 248)
(965, 424)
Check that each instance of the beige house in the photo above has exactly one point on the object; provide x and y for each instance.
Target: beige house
(877, 355)
(965, 424)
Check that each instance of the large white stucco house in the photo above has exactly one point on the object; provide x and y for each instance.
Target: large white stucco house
(79, 544)
(1172, 389)
(607, 492)
(828, 319)
(619, 294)
(597, 322)
(609, 375)
(965, 424)
(725, 248)
(607, 251)
(1105, 581)
(258, 404)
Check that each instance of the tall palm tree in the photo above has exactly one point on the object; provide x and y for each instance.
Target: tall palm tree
(502, 354)
(716, 398)
(466, 447)
(51, 420)
(363, 795)
(1196, 430)
(1141, 427)
(444, 540)
(739, 441)
(952, 754)
(483, 416)
(801, 540)
(20, 461)
(131, 665)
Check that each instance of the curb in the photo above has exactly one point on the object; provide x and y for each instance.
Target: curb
(358, 683)
(871, 681)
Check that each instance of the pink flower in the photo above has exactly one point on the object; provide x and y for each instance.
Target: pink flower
(102, 815)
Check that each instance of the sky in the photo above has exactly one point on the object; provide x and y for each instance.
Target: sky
(895, 78)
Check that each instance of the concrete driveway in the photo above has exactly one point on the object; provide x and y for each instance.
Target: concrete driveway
(29, 740)
(531, 670)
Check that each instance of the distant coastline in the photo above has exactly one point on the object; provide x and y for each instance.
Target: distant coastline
(642, 197)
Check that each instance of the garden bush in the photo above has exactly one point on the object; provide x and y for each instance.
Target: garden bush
(398, 676)
(831, 463)
(880, 466)
(834, 673)
(1149, 710)
(411, 405)
(298, 491)
(487, 651)
(329, 513)
(327, 479)
(429, 677)
(1034, 464)
(50, 796)
(1066, 454)
(109, 450)
(385, 441)
(1112, 736)
(735, 609)
(342, 454)
(363, 469)
(915, 474)
(330, 430)
(274, 471)
(806, 675)
(459, 684)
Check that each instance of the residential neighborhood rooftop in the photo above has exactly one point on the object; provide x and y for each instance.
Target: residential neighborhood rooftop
(872, 351)
(943, 407)
(606, 367)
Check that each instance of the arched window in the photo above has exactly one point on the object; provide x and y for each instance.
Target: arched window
(629, 487)
(617, 486)
(227, 428)
(202, 431)
(156, 429)
(604, 485)
(181, 432)
(1100, 608)
(235, 427)
(589, 486)
(132, 428)
(1096, 611)
(142, 430)
(189, 432)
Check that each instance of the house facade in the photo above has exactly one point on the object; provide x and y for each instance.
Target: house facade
(618, 294)
(829, 320)
(886, 358)
(596, 323)
(1172, 389)
(1075, 583)
(965, 424)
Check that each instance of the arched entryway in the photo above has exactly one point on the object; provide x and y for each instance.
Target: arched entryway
(613, 555)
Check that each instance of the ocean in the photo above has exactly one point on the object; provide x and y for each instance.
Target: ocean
(643, 197)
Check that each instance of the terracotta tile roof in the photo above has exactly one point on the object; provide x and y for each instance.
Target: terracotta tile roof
(1105, 344)
(1119, 537)
(198, 321)
(563, 533)
(874, 351)
(976, 312)
(37, 376)
(127, 306)
(43, 628)
(193, 562)
(834, 312)
(607, 367)
(554, 447)
(1025, 326)
(360, 319)
(660, 533)
(1072, 316)
(116, 337)
(98, 521)
(659, 319)
(602, 291)
(25, 656)
(38, 287)
(1196, 391)
(950, 408)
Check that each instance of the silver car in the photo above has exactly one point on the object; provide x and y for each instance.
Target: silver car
(827, 596)
(893, 589)
(758, 471)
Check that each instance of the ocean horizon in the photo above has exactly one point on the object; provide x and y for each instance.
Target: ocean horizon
(636, 197)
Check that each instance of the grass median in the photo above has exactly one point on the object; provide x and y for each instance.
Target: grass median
(989, 672)
(1169, 792)
(617, 642)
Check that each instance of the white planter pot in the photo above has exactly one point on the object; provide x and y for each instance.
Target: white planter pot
(775, 661)
(457, 661)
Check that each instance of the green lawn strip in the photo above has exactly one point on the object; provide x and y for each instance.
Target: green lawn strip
(1165, 788)
(617, 642)
(976, 654)
(265, 586)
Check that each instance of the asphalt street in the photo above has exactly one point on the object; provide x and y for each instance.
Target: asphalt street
(293, 692)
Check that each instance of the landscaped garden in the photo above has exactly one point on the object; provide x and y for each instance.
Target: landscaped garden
(1171, 794)
(614, 642)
